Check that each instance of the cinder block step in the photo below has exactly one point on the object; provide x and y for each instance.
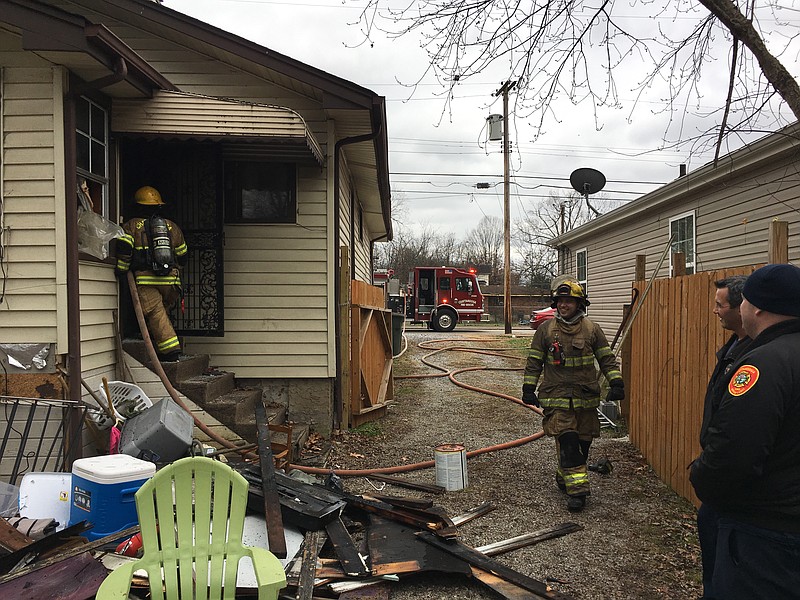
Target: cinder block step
(238, 405)
(246, 425)
(187, 367)
(204, 388)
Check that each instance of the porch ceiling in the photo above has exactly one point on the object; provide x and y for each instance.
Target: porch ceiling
(192, 116)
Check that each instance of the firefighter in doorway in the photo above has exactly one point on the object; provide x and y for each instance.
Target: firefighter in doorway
(561, 362)
(153, 248)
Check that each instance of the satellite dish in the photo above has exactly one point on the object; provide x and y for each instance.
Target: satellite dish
(587, 181)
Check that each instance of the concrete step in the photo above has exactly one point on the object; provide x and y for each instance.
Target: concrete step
(186, 367)
(204, 388)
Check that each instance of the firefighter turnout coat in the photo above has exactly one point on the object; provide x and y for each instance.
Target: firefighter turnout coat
(157, 292)
(566, 354)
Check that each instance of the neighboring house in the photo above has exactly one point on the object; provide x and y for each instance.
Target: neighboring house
(269, 165)
(720, 216)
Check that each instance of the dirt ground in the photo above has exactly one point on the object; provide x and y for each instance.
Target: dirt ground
(638, 539)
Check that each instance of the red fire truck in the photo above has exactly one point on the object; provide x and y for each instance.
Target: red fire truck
(443, 296)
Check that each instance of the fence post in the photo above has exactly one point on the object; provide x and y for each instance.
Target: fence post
(678, 264)
(778, 242)
(640, 272)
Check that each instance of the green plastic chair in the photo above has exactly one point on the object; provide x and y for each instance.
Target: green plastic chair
(181, 509)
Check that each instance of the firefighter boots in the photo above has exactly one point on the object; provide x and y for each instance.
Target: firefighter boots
(576, 503)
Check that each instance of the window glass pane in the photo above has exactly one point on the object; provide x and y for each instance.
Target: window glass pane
(82, 115)
(82, 151)
(260, 192)
(98, 158)
(444, 283)
(98, 123)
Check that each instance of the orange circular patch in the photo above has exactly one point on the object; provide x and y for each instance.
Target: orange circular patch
(743, 380)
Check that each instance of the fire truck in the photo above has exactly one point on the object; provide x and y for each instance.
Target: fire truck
(443, 296)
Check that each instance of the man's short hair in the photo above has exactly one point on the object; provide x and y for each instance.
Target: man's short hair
(735, 285)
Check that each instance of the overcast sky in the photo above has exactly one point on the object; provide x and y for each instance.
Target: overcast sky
(436, 157)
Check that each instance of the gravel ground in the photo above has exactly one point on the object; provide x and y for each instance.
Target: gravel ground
(638, 538)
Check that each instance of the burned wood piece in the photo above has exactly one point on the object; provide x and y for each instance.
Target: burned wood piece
(399, 502)
(70, 553)
(414, 485)
(76, 578)
(431, 519)
(11, 538)
(269, 489)
(305, 505)
(395, 549)
(476, 512)
(506, 589)
(308, 568)
(30, 553)
(528, 539)
(352, 562)
(483, 562)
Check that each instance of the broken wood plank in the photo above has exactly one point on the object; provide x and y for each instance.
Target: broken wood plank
(352, 562)
(431, 519)
(395, 549)
(506, 589)
(11, 538)
(70, 553)
(400, 502)
(30, 553)
(528, 539)
(414, 485)
(476, 512)
(269, 488)
(308, 568)
(76, 578)
(308, 506)
(481, 561)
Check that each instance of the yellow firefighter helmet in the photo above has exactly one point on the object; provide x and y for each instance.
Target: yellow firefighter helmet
(148, 196)
(569, 287)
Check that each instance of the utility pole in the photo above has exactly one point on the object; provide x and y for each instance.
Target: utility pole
(506, 87)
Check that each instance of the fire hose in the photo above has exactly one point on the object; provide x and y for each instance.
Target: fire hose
(175, 395)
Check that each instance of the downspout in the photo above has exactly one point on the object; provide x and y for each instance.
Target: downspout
(338, 401)
(71, 182)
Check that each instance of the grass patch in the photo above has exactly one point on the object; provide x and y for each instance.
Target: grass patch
(369, 429)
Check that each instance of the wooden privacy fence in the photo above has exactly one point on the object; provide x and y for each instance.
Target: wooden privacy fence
(674, 340)
(371, 383)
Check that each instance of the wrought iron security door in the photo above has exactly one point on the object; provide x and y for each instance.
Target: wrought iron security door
(187, 174)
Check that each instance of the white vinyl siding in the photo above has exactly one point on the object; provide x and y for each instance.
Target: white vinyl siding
(731, 229)
(32, 202)
(276, 294)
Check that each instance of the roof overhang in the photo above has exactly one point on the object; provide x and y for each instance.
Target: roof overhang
(278, 130)
(90, 51)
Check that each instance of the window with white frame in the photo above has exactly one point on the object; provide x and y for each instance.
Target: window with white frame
(581, 273)
(682, 231)
(91, 154)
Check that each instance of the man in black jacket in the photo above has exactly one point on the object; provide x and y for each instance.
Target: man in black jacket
(727, 301)
(749, 469)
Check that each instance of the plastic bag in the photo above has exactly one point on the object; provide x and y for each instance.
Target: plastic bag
(94, 230)
(94, 233)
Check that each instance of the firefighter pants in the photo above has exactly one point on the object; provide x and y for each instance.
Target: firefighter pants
(156, 302)
(573, 431)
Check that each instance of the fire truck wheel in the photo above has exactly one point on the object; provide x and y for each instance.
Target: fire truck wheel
(445, 320)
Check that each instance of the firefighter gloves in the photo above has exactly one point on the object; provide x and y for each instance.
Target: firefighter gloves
(616, 391)
(529, 395)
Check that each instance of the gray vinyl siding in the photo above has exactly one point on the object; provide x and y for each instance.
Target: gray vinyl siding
(98, 300)
(731, 227)
(34, 253)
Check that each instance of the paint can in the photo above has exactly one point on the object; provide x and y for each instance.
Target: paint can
(451, 466)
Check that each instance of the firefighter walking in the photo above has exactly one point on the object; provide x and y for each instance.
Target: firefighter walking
(561, 363)
(153, 248)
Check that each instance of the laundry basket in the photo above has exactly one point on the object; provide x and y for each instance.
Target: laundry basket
(127, 400)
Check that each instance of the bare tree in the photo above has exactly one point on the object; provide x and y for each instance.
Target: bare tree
(484, 245)
(549, 219)
(557, 49)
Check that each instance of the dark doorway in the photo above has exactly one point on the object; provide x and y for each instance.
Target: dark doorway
(188, 176)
